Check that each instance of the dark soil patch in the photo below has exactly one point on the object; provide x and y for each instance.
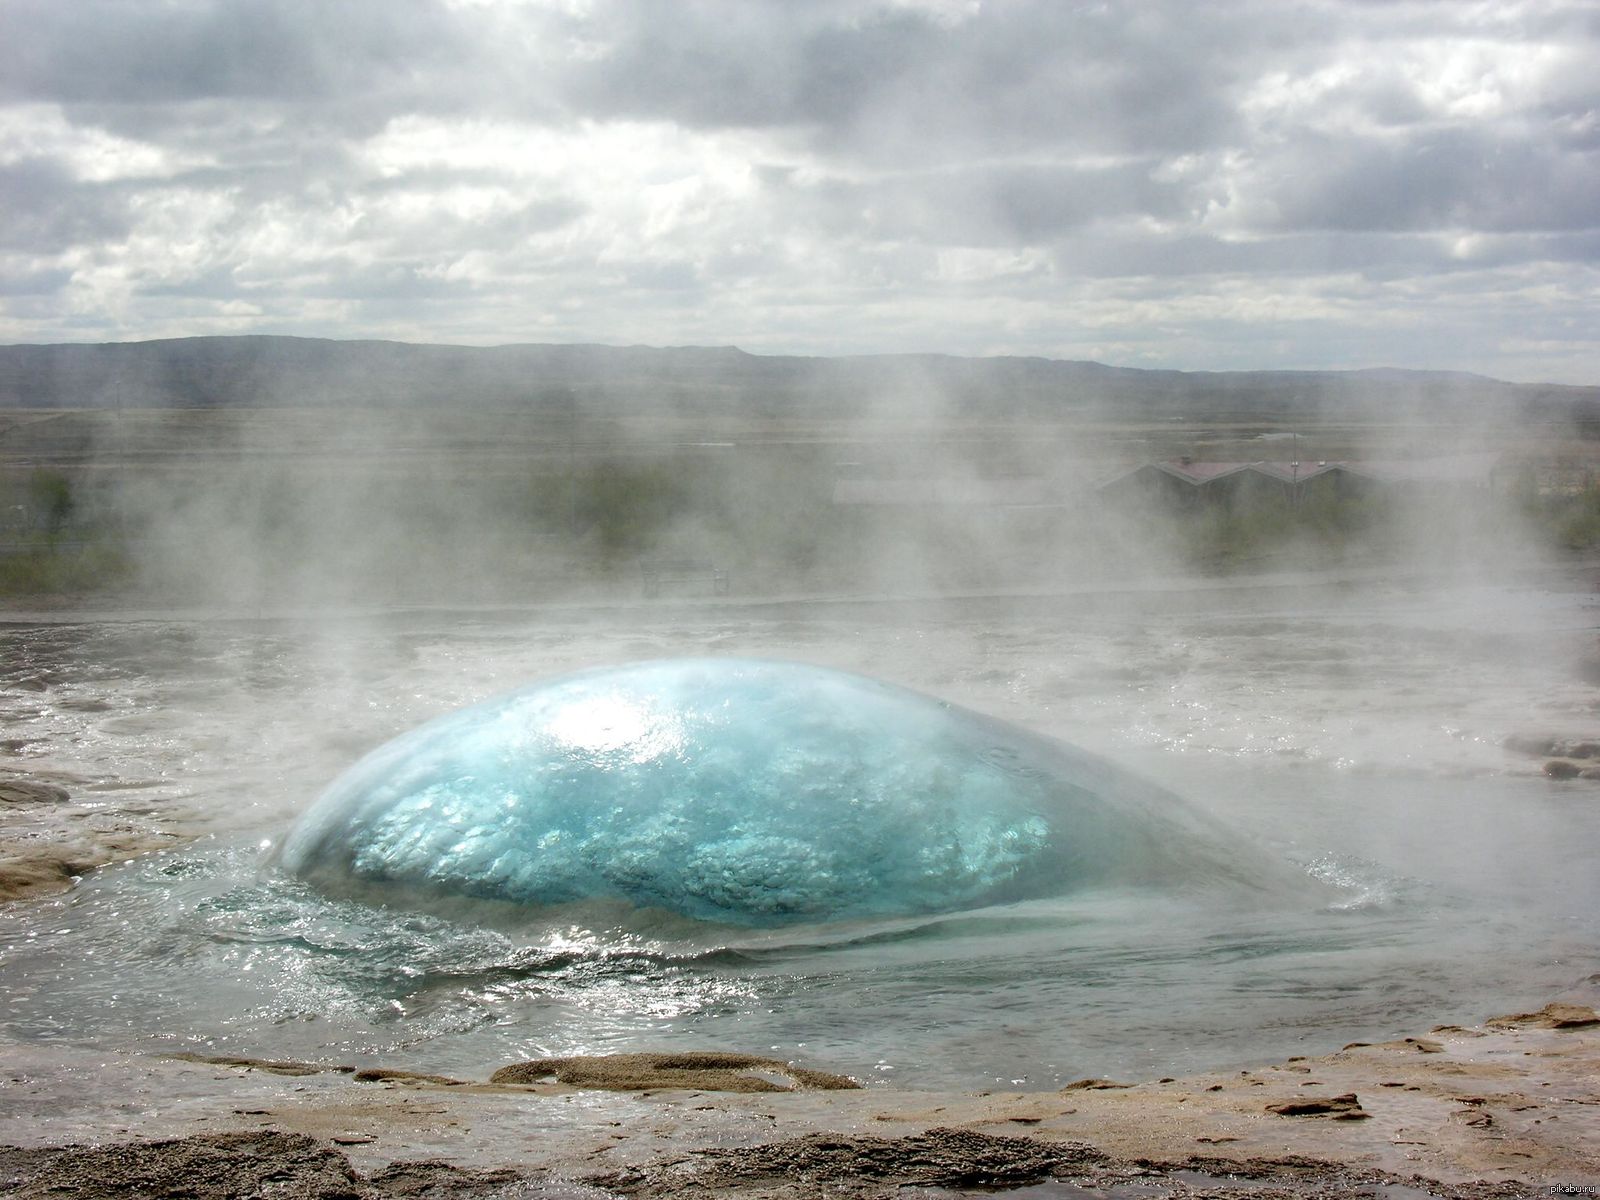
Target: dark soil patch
(224, 1166)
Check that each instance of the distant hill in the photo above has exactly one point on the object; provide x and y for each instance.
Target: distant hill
(562, 379)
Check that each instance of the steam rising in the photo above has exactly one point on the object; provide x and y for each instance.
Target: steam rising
(903, 476)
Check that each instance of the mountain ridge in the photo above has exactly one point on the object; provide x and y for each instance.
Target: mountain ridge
(267, 370)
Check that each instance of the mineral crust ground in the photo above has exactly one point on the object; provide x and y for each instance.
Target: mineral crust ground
(1508, 1108)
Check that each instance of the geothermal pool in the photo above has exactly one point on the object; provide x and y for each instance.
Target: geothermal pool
(1351, 736)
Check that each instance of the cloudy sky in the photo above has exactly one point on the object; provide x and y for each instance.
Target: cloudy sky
(1265, 183)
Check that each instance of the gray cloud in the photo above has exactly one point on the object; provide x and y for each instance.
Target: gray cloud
(34, 284)
(814, 177)
(900, 85)
(1444, 179)
(999, 205)
(47, 210)
(114, 53)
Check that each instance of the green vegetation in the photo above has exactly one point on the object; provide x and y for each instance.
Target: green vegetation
(626, 505)
(45, 548)
(50, 500)
(51, 569)
(434, 515)
(1570, 516)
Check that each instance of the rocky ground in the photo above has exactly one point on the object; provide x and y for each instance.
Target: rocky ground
(57, 826)
(1509, 1108)
(1565, 758)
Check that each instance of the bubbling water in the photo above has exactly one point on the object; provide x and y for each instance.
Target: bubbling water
(1356, 734)
(746, 792)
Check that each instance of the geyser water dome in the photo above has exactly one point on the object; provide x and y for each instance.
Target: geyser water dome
(751, 792)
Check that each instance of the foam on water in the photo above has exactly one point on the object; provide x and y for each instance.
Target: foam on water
(748, 792)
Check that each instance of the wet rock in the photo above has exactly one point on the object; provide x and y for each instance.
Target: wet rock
(1341, 1108)
(706, 1071)
(32, 875)
(1535, 746)
(28, 791)
(85, 705)
(274, 1066)
(1551, 1016)
(1093, 1085)
(32, 872)
(1561, 768)
(394, 1075)
(31, 868)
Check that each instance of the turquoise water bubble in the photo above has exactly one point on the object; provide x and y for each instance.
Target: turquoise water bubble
(742, 791)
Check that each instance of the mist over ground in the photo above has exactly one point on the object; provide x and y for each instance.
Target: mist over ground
(282, 472)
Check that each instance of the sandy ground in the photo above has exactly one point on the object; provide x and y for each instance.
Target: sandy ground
(1509, 1108)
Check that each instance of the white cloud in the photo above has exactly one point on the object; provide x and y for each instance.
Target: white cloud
(90, 154)
(1238, 184)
